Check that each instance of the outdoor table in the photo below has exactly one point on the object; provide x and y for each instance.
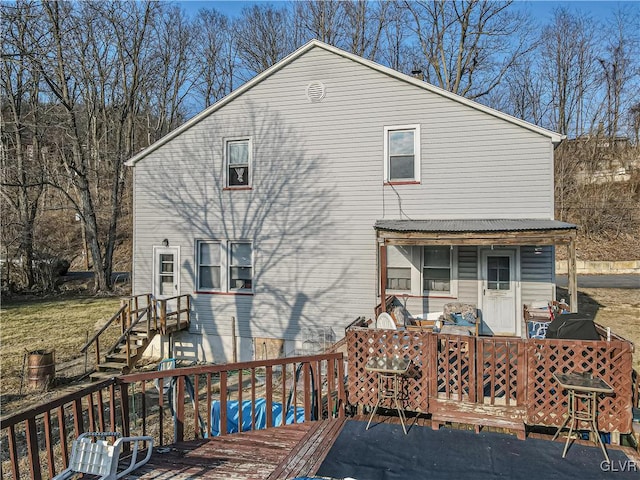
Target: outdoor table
(583, 389)
(389, 371)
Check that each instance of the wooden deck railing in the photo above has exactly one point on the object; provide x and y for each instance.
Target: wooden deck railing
(36, 442)
(492, 375)
(181, 313)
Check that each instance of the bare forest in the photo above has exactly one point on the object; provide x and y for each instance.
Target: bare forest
(85, 85)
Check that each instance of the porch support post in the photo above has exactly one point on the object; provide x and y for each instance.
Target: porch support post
(382, 268)
(572, 274)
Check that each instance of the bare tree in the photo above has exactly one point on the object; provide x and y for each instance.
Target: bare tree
(634, 121)
(91, 59)
(394, 49)
(321, 19)
(364, 26)
(620, 68)
(468, 46)
(172, 72)
(22, 181)
(523, 93)
(567, 62)
(215, 56)
(263, 36)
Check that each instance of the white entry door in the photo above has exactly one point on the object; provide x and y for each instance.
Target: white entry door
(166, 282)
(499, 291)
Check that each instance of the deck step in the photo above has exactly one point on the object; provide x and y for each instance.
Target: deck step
(140, 331)
(138, 339)
(95, 376)
(121, 356)
(118, 366)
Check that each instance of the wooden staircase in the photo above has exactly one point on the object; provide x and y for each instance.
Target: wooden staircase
(141, 318)
(120, 361)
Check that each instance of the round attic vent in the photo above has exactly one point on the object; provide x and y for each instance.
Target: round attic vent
(315, 91)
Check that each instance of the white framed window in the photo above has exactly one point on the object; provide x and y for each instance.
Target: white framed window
(429, 271)
(399, 268)
(436, 269)
(238, 153)
(240, 266)
(209, 265)
(402, 153)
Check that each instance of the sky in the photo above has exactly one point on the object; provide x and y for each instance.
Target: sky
(543, 9)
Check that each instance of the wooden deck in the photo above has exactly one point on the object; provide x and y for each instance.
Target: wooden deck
(275, 453)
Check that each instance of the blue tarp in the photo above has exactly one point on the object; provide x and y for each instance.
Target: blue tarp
(261, 415)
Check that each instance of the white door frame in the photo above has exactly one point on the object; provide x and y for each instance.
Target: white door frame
(513, 251)
(155, 287)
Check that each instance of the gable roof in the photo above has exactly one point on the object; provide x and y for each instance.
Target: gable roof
(555, 137)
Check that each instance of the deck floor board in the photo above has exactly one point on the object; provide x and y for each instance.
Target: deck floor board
(282, 452)
(306, 458)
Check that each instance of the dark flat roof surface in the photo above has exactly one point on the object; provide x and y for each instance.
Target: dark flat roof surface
(472, 225)
(385, 453)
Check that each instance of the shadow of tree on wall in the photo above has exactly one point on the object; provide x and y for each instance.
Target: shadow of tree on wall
(286, 215)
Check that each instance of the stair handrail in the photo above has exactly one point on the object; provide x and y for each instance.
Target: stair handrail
(104, 327)
(96, 338)
(127, 332)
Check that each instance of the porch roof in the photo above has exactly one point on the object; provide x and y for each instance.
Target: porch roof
(472, 225)
(485, 232)
(476, 231)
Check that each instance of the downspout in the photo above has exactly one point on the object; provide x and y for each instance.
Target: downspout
(382, 269)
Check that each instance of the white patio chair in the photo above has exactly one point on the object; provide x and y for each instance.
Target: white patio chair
(93, 454)
(385, 321)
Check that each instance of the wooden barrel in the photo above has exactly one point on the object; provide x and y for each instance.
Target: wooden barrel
(41, 368)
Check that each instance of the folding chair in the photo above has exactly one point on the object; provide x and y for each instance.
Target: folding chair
(93, 454)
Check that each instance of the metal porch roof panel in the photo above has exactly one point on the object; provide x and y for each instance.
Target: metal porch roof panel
(472, 225)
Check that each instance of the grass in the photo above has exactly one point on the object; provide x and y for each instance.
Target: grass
(61, 325)
(615, 308)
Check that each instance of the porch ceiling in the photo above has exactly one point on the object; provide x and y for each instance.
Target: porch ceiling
(476, 232)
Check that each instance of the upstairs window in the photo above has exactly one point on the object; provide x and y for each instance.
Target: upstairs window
(209, 266)
(241, 266)
(238, 153)
(402, 154)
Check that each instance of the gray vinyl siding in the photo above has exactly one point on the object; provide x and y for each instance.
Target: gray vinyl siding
(317, 190)
(468, 274)
(537, 273)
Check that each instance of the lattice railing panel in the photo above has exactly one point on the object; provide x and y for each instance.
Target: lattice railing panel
(501, 363)
(611, 361)
(455, 366)
(363, 343)
(494, 371)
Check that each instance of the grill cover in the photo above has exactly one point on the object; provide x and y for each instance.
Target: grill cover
(574, 326)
